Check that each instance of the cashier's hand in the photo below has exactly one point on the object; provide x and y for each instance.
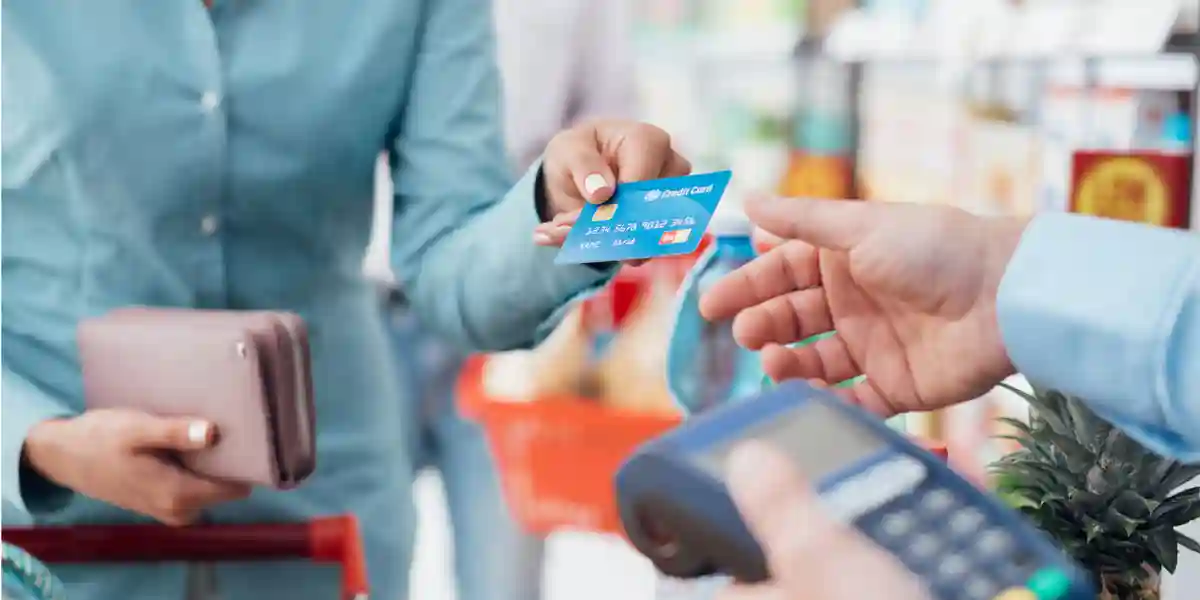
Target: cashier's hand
(909, 289)
(121, 457)
(583, 165)
(809, 554)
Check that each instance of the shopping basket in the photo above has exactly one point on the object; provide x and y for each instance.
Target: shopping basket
(327, 540)
(557, 457)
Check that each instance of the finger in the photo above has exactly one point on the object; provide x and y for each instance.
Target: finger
(676, 166)
(807, 548)
(590, 174)
(779, 507)
(643, 154)
(764, 241)
(554, 232)
(178, 497)
(567, 219)
(833, 224)
(784, 319)
(787, 268)
(551, 236)
(827, 359)
(148, 432)
(636, 263)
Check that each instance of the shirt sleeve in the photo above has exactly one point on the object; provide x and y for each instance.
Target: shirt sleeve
(461, 246)
(1110, 312)
(26, 405)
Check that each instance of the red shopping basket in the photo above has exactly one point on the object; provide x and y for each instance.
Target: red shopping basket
(329, 540)
(557, 457)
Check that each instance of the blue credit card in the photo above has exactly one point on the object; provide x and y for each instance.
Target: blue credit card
(646, 219)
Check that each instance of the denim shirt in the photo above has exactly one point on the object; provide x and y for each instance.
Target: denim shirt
(1110, 311)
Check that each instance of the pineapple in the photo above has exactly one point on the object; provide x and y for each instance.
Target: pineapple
(1107, 500)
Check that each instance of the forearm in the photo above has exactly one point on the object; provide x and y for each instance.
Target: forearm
(485, 285)
(1110, 312)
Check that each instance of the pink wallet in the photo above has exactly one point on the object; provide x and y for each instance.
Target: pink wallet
(246, 372)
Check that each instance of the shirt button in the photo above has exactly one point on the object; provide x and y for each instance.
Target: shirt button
(209, 101)
(208, 225)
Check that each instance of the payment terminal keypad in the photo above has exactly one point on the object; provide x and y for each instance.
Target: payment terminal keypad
(953, 546)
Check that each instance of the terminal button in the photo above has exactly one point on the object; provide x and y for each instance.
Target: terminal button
(1049, 584)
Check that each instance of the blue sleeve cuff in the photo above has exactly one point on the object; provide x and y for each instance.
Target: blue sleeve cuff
(488, 287)
(566, 284)
(1088, 306)
(24, 407)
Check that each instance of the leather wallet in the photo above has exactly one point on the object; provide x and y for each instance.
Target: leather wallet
(249, 373)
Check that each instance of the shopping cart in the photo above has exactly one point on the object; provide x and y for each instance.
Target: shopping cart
(328, 540)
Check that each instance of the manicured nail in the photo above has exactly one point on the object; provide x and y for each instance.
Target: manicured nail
(541, 238)
(594, 182)
(199, 432)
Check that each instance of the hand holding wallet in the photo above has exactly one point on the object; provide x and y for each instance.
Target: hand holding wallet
(249, 373)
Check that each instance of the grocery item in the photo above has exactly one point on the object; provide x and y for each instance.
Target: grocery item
(632, 373)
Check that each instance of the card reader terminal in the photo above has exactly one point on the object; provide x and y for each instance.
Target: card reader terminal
(960, 540)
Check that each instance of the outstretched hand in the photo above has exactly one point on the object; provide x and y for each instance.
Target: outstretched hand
(910, 291)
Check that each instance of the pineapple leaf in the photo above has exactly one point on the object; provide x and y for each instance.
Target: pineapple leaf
(1028, 444)
(1180, 509)
(1026, 396)
(1134, 505)
(1018, 425)
(1179, 474)
(1187, 542)
(1092, 529)
(1116, 521)
(1163, 544)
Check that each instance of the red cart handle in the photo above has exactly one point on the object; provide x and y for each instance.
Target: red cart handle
(326, 540)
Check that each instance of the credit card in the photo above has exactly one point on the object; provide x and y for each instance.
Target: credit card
(646, 219)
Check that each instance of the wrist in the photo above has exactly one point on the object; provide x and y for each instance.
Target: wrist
(1002, 236)
(41, 449)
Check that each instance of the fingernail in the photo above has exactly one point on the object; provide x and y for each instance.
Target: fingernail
(199, 432)
(541, 238)
(593, 183)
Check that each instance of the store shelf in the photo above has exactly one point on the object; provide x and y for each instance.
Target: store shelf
(1168, 72)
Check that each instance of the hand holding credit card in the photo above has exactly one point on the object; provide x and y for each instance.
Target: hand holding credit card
(646, 219)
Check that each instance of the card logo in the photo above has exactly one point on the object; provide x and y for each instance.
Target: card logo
(605, 212)
(653, 195)
(677, 236)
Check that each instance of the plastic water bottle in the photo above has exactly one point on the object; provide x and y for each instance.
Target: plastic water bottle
(705, 366)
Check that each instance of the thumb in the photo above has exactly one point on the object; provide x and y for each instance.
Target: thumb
(785, 513)
(589, 173)
(831, 224)
(148, 432)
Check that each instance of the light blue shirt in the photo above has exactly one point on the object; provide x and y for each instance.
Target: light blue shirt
(1110, 311)
(161, 153)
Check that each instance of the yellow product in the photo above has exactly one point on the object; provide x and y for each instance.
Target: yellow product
(632, 374)
(560, 364)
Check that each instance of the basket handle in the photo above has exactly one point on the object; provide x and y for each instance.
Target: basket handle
(333, 540)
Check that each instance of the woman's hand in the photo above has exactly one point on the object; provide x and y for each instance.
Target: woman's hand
(583, 165)
(118, 456)
(809, 554)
